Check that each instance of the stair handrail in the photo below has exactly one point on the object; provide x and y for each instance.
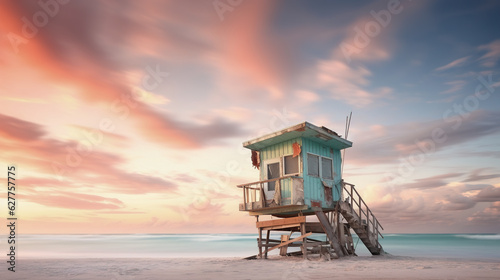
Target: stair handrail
(370, 217)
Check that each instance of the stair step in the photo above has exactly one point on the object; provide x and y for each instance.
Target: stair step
(359, 228)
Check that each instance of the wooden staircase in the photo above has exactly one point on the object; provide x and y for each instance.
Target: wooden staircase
(361, 219)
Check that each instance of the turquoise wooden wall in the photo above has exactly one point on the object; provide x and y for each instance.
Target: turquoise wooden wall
(313, 187)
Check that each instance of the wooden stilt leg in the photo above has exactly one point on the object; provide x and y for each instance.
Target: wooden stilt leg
(267, 242)
(304, 242)
(260, 243)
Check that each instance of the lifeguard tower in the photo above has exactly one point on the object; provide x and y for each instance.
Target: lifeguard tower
(300, 175)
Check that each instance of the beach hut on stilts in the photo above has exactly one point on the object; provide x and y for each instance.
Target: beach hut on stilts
(300, 176)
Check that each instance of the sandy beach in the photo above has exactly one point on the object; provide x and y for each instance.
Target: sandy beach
(381, 267)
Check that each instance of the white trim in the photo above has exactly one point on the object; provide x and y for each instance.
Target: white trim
(267, 162)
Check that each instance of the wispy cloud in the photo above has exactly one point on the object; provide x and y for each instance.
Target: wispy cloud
(74, 200)
(476, 176)
(413, 208)
(405, 138)
(492, 54)
(348, 83)
(432, 182)
(29, 144)
(454, 86)
(453, 64)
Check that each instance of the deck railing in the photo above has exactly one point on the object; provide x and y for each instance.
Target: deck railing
(359, 207)
(288, 191)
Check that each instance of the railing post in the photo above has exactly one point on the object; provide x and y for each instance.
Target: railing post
(279, 186)
(367, 214)
(352, 196)
(360, 209)
(244, 198)
(375, 229)
(367, 223)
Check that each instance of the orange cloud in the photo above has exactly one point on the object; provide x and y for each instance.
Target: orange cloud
(249, 50)
(74, 201)
(70, 161)
(70, 52)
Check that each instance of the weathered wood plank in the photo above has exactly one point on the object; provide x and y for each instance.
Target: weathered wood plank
(280, 222)
(290, 241)
(329, 232)
(284, 249)
(282, 227)
(277, 210)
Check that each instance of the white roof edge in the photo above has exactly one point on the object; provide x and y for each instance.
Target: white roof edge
(323, 131)
(274, 134)
(294, 128)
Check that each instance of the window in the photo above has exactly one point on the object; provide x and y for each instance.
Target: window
(326, 168)
(312, 165)
(291, 165)
(314, 162)
(273, 172)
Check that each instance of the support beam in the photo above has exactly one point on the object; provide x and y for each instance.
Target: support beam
(281, 222)
(329, 232)
(259, 242)
(289, 241)
(304, 245)
(284, 249)
(277, 210)
(267, 242)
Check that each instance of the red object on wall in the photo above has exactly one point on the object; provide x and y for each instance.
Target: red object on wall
(296, 149)
(315, 203)
(255, 159)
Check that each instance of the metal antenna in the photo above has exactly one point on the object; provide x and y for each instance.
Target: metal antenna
(347, 126)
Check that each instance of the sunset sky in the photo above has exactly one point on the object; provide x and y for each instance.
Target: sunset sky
(129, 116)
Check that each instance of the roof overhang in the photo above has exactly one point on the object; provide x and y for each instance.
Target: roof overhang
(321, 135)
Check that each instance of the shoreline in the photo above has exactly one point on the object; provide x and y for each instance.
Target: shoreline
(370, 267)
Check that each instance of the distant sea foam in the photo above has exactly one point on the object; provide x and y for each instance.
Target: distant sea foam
(481, 236)
(476, 246)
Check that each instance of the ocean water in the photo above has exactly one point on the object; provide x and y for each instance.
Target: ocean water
(466, 246)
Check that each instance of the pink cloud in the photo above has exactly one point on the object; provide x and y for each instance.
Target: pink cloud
(72, 161)
(70, 52)
(14, 129)
(74, 201)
